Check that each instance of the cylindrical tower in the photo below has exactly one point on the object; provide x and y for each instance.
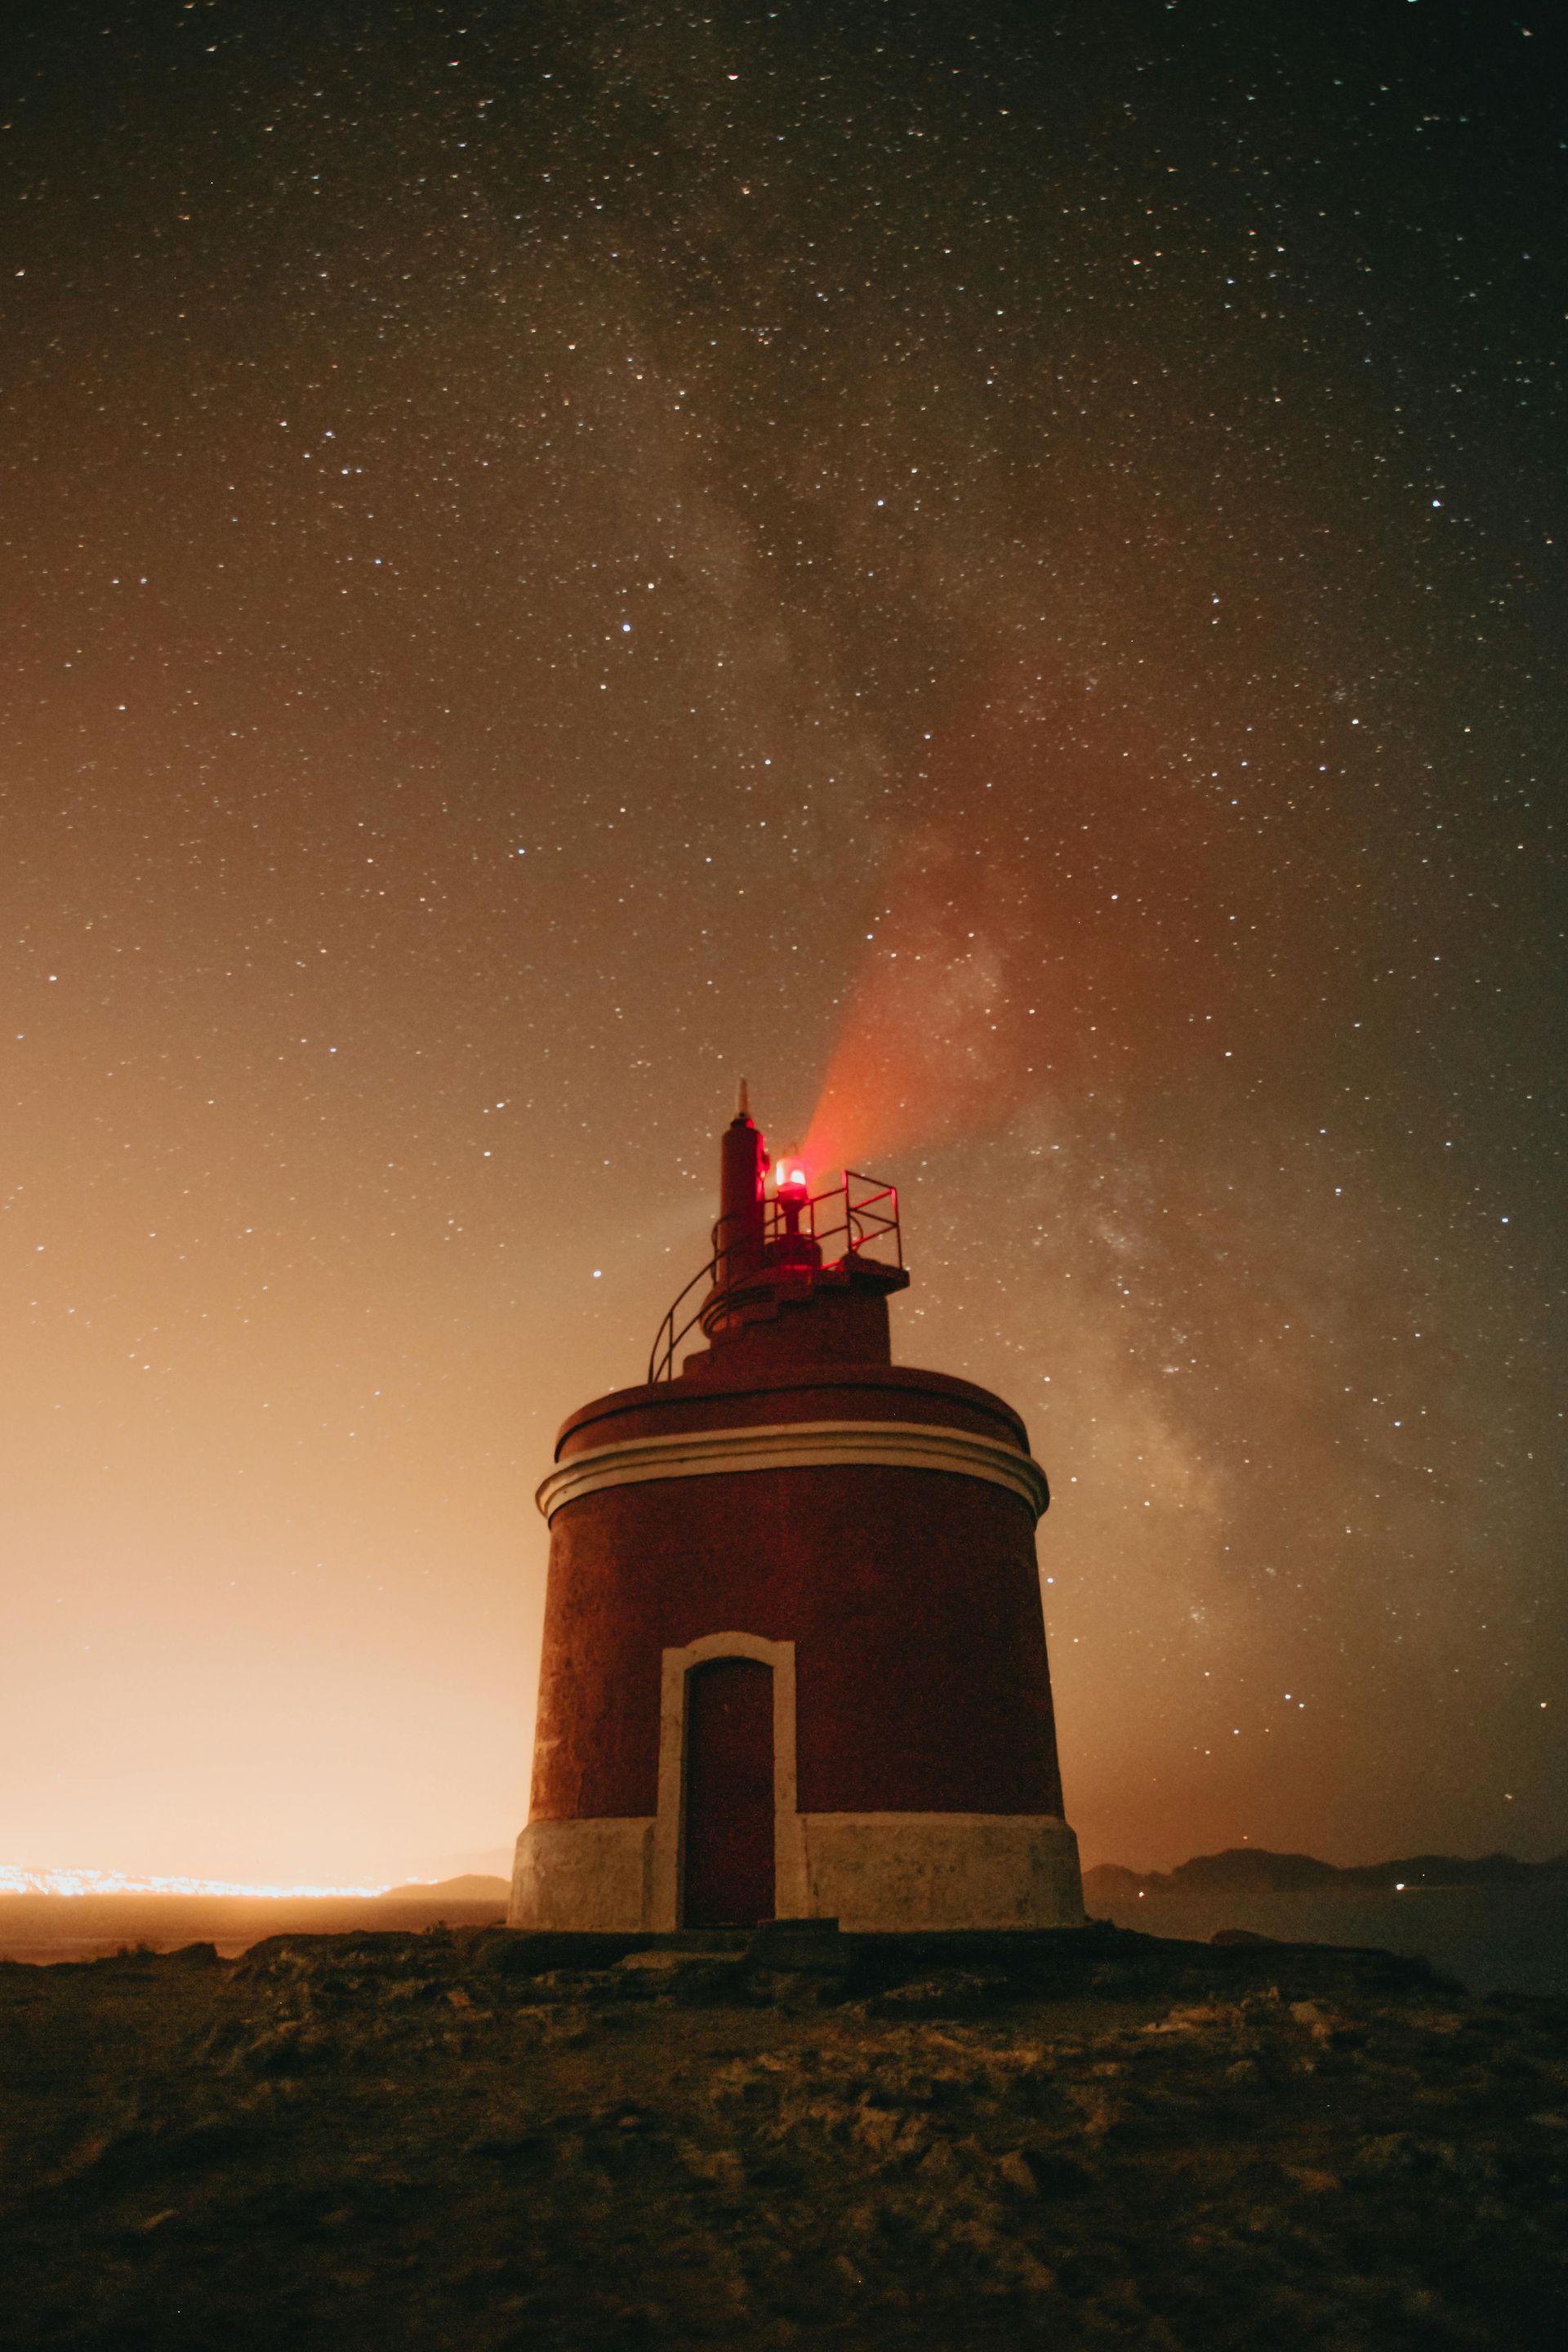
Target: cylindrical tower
(794, 1658)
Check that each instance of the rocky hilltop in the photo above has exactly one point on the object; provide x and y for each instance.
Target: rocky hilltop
(476, 2141)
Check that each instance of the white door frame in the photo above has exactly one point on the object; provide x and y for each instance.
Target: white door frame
(669, 1826)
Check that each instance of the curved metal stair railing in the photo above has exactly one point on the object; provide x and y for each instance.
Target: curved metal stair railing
(868, 1215)
(661, 1355)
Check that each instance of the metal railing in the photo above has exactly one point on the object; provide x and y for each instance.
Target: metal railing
(661, 1355)
(874, 1216)
(862, 1210)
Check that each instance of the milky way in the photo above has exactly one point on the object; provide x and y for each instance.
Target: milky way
(996, 571)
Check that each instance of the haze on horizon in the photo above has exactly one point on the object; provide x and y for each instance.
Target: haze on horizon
(997, 577)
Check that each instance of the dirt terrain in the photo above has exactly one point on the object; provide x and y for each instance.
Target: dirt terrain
(475, 2138)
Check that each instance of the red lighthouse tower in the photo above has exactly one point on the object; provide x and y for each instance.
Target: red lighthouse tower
(794, 1659)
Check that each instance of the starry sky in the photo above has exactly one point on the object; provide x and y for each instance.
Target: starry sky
(996, 570)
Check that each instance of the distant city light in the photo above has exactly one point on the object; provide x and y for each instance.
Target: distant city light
(17, 1881)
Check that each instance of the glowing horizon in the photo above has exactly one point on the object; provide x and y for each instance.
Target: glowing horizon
(14, 1880)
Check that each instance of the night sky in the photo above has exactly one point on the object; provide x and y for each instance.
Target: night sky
(997, 570)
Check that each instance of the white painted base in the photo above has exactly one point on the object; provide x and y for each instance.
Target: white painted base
(868, 1871)
(594, 1876)
(943, 1870)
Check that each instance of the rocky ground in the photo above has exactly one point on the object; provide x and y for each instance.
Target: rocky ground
(472, 2139)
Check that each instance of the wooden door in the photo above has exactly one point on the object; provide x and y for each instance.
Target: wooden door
(729, 1866)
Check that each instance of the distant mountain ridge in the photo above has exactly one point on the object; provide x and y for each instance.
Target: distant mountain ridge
(1254, 1870)
(471, 1886)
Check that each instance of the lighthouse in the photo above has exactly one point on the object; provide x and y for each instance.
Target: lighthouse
(794, 1655)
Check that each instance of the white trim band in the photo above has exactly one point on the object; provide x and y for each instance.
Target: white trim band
(797, 1445)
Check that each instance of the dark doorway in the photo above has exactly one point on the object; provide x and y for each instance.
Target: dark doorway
(729, 1794)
